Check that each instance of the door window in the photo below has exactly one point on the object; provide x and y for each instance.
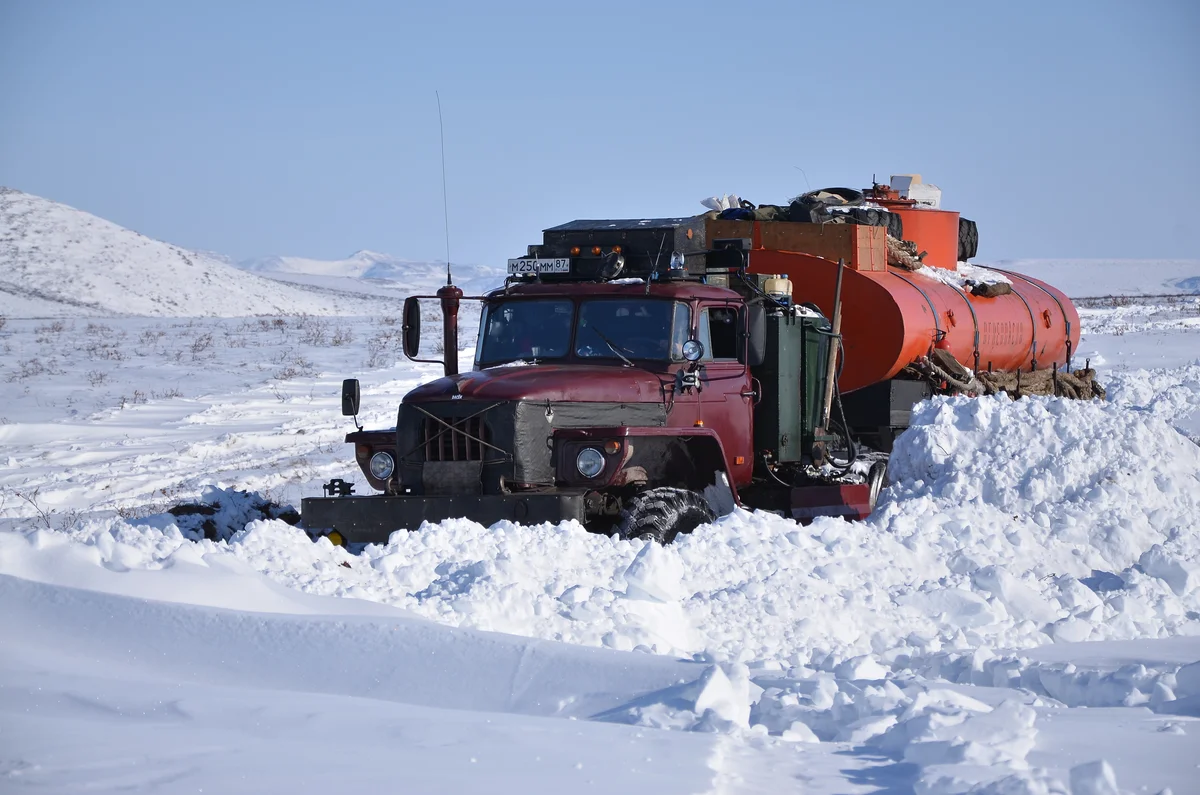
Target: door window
(719, 333)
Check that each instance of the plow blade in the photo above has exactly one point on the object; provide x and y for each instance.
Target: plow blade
(372, 518)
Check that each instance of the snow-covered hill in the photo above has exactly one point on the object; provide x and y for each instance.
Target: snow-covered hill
(58, 261)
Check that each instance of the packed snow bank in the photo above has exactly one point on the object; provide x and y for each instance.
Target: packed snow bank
(1172, 395)
(105, 693)
(1009, 524)
(381, 651)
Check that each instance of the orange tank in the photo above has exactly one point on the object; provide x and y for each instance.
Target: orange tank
(891, 317)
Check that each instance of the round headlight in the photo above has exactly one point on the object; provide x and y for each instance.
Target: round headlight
(589, 462)
(382, 466)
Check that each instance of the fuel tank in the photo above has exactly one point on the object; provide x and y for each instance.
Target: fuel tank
(891, 317)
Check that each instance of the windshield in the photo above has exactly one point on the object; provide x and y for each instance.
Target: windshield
(607, 328)
(641, 328)
(520, 330)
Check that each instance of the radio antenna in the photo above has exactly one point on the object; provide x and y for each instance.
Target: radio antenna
(806, 184)
(445, 205)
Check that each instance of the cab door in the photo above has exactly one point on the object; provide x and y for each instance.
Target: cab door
(726, 403)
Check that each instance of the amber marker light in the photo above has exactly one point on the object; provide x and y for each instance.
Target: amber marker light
(617, 250)
(574, 251)
(596, 250)
(612, 446)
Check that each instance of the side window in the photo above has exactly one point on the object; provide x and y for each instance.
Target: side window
(719, 333)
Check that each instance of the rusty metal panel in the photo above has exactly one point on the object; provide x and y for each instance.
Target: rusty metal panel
(864, 248)
(718, 229)
(871, 253)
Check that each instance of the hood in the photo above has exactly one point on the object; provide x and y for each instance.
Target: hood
(553, 382)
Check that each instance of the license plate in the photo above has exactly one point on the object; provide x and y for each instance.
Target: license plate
(527, 265)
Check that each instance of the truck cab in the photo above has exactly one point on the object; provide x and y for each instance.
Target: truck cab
(564, 367)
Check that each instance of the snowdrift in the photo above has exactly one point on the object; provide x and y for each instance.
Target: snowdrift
(1008, 524)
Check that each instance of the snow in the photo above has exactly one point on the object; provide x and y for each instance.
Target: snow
(965, 276)
(1094, 778)
(1021, 615)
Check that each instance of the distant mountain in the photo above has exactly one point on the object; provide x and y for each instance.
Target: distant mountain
(407, 275)
(1087, 278)
(56, 260)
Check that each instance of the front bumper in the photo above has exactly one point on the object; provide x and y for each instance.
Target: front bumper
(372, 518)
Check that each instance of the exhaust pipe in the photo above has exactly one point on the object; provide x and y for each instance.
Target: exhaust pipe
(450, 296)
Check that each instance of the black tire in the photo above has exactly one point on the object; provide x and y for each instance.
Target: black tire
(895, 225)
(663, 513)
(868, 216)
(877, 480)
(968, 239)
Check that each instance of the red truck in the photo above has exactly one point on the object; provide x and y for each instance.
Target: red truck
(645, 376)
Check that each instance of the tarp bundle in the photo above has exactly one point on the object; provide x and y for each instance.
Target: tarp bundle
(903, 254)
(948, 374)
(824, 206)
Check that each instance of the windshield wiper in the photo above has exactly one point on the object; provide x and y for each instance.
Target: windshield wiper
(612, 346)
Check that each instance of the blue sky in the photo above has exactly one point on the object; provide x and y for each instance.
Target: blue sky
(1066, 129)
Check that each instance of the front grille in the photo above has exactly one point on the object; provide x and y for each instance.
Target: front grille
(459, 443)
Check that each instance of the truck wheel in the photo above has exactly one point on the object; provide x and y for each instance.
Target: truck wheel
(868, 216)
(968, 239)
(663, 513)
(877, 480)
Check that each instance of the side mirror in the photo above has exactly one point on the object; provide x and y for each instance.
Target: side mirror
(756, 321)
(693, 350)
(411, 330)
(350, 397)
